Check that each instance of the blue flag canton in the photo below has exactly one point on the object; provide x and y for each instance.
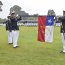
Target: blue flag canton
(49, 20)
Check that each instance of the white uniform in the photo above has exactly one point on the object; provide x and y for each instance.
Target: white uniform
(15, 35)
(9, 37)
(63, 40)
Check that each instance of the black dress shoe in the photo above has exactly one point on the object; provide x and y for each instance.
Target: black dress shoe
(10, 43)
(17, 46)
(62, 52)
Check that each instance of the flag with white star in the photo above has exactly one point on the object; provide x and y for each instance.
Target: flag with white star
(45, 28)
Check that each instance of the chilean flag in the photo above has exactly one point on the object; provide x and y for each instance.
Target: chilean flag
(45, 28)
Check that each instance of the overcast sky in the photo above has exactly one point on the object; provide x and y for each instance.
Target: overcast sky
(33, 6)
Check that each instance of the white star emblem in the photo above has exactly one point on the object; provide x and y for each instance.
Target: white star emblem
(49, 20)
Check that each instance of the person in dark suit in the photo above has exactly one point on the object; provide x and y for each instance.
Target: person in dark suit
(62, 20)
(15, 29)
(8, 29)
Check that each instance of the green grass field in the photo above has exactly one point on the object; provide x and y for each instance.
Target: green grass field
(31, 51)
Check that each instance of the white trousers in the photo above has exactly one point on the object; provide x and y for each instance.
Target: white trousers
(9, 37)
(49, 34)
(63, 40)
(13, 37)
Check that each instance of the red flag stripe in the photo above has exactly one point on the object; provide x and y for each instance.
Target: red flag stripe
(41, 28)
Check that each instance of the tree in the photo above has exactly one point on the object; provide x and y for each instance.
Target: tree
(15, 8)
(51, 13)
(18, 10)
(0, 5)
